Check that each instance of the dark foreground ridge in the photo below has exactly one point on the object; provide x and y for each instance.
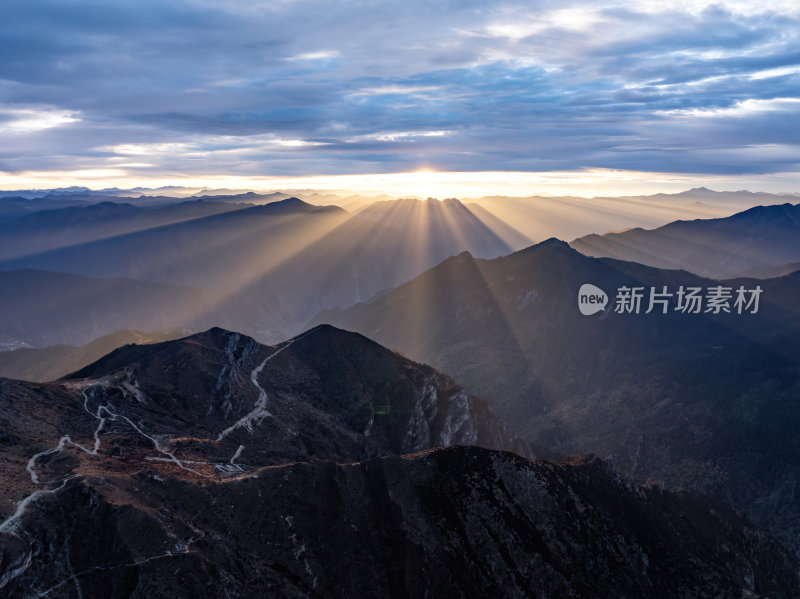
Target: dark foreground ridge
(703, 401)
(213, 466)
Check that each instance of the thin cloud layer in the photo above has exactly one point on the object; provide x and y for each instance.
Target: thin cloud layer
(150, 88)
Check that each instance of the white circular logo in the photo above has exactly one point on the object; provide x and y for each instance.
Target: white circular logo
(591, 299)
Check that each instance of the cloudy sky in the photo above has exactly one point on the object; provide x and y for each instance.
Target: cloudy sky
(155, 91)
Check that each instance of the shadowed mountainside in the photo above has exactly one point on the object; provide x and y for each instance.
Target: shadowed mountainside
(702, 400)
(214, 466)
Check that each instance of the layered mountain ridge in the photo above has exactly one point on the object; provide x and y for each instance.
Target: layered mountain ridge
(694, 399)
(265, 268)
(214, 466)
(756, 239)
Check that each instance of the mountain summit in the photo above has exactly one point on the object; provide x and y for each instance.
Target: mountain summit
(693, 399)
(327, 465)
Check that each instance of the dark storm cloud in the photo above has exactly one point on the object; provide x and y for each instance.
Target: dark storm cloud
(296, 87)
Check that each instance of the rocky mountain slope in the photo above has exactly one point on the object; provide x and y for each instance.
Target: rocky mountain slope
(704, 400)
(213, 466)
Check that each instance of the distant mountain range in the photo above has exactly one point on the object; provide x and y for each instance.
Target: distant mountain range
(266, 263)
(179, 244)
(771, 272)
(41, 308)
(757, 240)
(290, 257)
(43, 364)
(38, 232)
(534, 218)
(329, 466)
(701, 400)
(539, 218)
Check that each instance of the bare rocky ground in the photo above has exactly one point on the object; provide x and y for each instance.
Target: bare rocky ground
(328, 466)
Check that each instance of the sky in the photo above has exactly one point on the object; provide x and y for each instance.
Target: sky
(538, 96)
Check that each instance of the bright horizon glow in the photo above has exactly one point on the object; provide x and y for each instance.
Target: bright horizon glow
(425, 182)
